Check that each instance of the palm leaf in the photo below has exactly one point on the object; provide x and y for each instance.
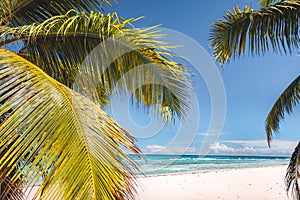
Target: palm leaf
(63, 43)
(292, 174)
(21, 12)
(284, 104)
(54, 132)
(9, 189)
(273, 27)
(265, 3)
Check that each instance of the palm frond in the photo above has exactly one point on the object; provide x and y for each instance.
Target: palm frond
(8, 189)
(108, 47)
(266, 3)
(284, 104)
(273, 27)
(54, 132)
(293, 174)
(21, 12)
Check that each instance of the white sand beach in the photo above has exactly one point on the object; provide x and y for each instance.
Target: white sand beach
(251, 184)
(264, 183)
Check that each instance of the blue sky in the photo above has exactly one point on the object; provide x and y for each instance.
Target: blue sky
(252, 85)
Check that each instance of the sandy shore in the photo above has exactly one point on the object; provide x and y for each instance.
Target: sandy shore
(251, 184)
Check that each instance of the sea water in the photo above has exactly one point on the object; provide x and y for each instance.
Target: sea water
(170, 164)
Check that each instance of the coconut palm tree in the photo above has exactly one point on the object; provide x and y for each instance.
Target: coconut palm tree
(59, 63)
(274, 26)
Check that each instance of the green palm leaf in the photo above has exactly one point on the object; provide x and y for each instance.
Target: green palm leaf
(63, 43)
(265, 3)
(8, 189)
(54, 132)
(292, 174)
(256, 32)
(284, 104)
(273, 27)
(21, 12)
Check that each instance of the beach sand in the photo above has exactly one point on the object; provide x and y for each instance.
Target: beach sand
(235, 184)
(252, 184)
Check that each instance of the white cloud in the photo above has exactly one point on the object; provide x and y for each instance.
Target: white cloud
(154, 146)
(158, 149)
(213, 133)
(229, 147)
(219, 148)
(254, 147)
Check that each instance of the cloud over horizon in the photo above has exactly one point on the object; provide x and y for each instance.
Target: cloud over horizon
(254, 147)
(230, 147)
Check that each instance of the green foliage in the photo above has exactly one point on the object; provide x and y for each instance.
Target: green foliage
(292, 174)
(275, 26)
(22, 12)
(284, 104)
(51, 92)
(256, 32)
(53, 131)
(62, 43)
(265, 3)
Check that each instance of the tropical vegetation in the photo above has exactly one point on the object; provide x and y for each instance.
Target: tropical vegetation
(275, 26)
(60, 62)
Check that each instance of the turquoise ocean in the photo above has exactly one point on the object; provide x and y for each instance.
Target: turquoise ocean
(172, 164)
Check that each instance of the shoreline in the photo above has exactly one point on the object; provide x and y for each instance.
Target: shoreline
(208, 171)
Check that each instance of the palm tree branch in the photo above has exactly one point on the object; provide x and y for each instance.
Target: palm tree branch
(284, 104)
(274, 26)
(21, 12)
(47, 36)
(63, 43)
(292, 174)
(79, 154)
(265, 3)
